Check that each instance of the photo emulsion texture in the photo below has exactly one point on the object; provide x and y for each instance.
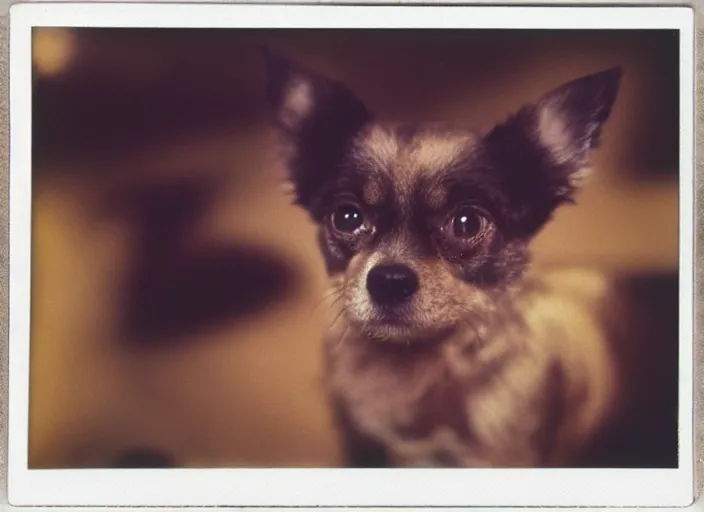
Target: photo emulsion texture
(354, 248)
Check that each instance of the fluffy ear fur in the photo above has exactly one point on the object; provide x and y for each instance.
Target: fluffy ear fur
(544, 150)
(569, 119)
(318, 115)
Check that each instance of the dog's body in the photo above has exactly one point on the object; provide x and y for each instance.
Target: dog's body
(530, 396)
(446, 348)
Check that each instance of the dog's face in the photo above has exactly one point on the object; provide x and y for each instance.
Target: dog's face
(422, 225)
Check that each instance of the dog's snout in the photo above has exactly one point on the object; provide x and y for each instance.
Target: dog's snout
(391, 284)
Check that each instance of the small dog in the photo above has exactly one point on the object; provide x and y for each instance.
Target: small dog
(447, 348)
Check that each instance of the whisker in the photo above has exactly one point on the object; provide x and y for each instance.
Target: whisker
(337, 317)
(342, 338)
(323, 301)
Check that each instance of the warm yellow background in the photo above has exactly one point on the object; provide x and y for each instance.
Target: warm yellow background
(246, 390)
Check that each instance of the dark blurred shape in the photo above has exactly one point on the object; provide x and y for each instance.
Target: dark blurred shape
(645, 433)
(144, 458)
(164, 212)
(175, 289)
(131, 89)
(83, 118)
(190, 292)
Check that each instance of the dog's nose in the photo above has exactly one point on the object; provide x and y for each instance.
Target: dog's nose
(391, 284)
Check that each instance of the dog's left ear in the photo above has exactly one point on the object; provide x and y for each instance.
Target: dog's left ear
(544, 150)
(568, 120)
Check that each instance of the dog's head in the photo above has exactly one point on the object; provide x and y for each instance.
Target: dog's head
(420, 224)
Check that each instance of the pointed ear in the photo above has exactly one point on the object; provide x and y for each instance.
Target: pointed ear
(318, 116)
(569, 119)
(542, 152)
(300, 96)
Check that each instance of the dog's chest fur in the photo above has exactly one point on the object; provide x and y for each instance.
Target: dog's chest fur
(442, 405)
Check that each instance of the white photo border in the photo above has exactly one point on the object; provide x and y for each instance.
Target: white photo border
(334, 487)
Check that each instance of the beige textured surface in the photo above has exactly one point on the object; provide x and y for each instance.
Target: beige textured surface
(699, 383)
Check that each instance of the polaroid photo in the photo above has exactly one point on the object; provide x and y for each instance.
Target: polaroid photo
(334, 255)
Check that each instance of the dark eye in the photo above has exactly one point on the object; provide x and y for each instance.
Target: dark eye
(347, 218)
(466, 224)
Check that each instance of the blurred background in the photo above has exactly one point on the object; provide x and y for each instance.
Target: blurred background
(176, 294)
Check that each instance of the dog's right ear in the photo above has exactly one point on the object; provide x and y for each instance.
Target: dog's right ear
(300, 97)
(318, 115)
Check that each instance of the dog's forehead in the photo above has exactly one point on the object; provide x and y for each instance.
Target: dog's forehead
(409, 156)
(401, 151)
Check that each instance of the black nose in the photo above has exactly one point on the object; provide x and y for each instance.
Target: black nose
(391, 284)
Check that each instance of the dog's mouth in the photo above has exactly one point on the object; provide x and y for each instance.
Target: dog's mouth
(393, 327)
(402, 323)
(395, 317)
